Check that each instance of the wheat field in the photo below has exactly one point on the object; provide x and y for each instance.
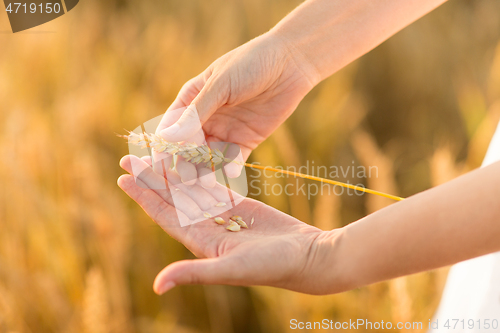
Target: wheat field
(77, 255)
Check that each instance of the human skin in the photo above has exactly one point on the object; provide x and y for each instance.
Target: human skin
(444, 225)
(441, 226)
(243, 96)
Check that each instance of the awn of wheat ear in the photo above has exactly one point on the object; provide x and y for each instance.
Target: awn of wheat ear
(211, 157)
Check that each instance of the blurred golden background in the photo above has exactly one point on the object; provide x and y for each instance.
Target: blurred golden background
(77, 255)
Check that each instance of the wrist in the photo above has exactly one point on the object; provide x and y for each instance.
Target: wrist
(324, 271)
(295, 56)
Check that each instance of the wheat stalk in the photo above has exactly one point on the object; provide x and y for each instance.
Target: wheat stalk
(211, 157)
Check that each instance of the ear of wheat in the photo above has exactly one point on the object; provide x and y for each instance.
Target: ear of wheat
(212, 157)
(190, 151)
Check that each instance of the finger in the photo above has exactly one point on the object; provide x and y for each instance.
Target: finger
(141, 170)
(199, 195)
(192, 200)
(186, 170)
(233, 152)
(170, 117)
(188, 92)
(212, 96)
(217, 191)
(206, 176)
(185, 96)
(161, 162)
(169, 218)
(187, 126)
(166, 216)
(151, 180)
(147, 159)
(233, 169)
(224, 194)
(220, 270)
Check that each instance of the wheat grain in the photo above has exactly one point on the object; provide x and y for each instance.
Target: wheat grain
(233, 226)
(239, 220)
(219, 220)
(242, 224)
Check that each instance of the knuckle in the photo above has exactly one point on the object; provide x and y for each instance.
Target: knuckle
(194, 277)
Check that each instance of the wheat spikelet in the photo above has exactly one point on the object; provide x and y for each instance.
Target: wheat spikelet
(190, 151)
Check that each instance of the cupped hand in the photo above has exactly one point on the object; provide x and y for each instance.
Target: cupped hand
(276, 250)
(241, 98)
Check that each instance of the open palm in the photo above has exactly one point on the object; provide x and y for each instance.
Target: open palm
(276, 250)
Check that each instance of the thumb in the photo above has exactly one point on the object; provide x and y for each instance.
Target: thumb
(212, 96)
(220, 270)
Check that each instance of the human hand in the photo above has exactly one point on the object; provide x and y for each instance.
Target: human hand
(241, 98)
(277, 250)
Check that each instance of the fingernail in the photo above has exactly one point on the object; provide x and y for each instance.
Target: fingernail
(166, 287)
(170, 130)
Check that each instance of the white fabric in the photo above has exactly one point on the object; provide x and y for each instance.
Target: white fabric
(472, 289)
